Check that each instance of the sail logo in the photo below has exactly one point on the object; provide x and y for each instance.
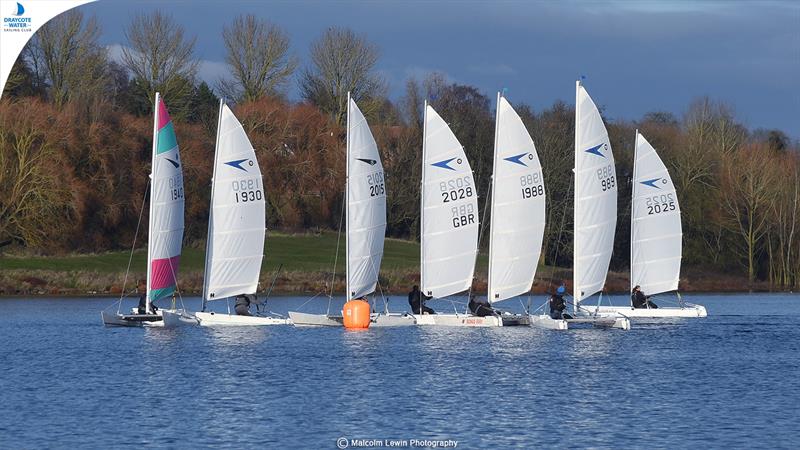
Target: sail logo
(16, 22)
(652, 183)
(596, 150)
(445, 164)
(517, 159)
(174, 163)
(238, 163)
(371, 162)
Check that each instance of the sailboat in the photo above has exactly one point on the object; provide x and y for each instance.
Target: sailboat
(365, 212)
(236, 231)
(595, 217)
(449, 222)
(656, 237)
(165, 230)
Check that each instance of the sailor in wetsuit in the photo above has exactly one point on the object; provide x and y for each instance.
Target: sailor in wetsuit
(557, 304)
(243, 302)
(417, 301)
(639, 300)
(480, 308)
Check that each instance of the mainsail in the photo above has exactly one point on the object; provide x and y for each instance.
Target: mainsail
(236, 224)
(595, 198)
(449, 211)
(166, 208)
(656, 237)
(366, 206)
(517, 208)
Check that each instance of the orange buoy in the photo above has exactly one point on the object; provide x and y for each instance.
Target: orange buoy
(356, 315)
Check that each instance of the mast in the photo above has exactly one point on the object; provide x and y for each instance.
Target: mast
(633, 197)
(575, 291)
(493, 189)
(209, 236)
(150, 212)
(422, 202)
(347, 207)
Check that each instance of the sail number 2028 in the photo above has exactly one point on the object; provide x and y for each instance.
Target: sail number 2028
(247, 190)
(456, 189)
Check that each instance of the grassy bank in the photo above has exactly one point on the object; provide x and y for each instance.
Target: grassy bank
(307, 261)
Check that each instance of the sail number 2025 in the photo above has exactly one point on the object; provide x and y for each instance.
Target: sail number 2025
(660, 204)
(247, 190)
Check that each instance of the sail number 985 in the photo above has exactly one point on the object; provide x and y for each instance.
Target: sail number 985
(531, 185)
(247, 190)
(607, 177)
(456, 189)
(660, 203)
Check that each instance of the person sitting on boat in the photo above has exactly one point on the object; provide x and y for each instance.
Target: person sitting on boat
(639, 300)
(480, 308)
(243, 301)
(557, 304)
(417, 301)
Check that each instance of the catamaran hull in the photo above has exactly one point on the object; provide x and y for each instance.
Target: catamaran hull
(212, 319)
(315, 320)
(548, 323)
(654, 313)
(392, 320)
(169, 318)
(458, 320)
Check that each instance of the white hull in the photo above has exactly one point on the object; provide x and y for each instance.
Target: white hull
(660, 312)
(314, 320)
(169, 318)
(606, 321)
(392, 320)
(458, 320)
(211, 319)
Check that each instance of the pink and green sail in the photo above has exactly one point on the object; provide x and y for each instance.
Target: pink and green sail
(166, 208)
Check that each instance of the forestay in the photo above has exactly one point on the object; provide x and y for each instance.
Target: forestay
(366, 206)
(166, 208)
(517, 208)
(595, 198)
(449, 211)
(236, 228)
(656, 238)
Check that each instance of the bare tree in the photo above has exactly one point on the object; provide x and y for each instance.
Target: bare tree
(67, 57)
(342, 62)
(161, 59)
(258, 53)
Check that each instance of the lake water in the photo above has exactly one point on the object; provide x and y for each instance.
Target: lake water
(730, 380)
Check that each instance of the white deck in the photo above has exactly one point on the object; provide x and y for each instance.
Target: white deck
(211, 319)
(458, 320)
(602, 321)
(314, 320)
(660, 312)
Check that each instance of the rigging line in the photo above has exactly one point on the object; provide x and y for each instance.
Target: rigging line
(133, 247)
(480, 238)
(558, 240)
(380, 288)
(336, 258)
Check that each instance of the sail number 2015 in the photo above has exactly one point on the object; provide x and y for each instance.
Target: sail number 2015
(376, 184)
(247, 190)
(607, 177)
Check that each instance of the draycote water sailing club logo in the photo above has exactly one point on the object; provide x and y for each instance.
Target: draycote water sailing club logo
(238, 163)
(17, 22)
(654, 182)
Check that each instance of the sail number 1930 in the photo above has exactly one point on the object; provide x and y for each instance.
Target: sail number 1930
(247, 190)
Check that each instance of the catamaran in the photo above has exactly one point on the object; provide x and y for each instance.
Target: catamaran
(656, 237)
(365, 213)
(165, 234)
(236, 231)
(449, 223)
(595, 218)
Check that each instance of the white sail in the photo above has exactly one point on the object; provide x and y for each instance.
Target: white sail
(595, 198)
(449, 211)
(236, 228)
(366, 206)
(656, 237)
(518, 204)
(166, 208)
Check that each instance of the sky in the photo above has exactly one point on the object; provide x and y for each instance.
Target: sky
(637, 56)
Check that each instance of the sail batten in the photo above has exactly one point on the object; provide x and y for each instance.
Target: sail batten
(366, 206)
(449, 206)
(595, 208)
(236, 230)
(656, 234)
(518, 208)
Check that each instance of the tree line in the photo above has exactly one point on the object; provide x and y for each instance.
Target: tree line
(76, 131)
